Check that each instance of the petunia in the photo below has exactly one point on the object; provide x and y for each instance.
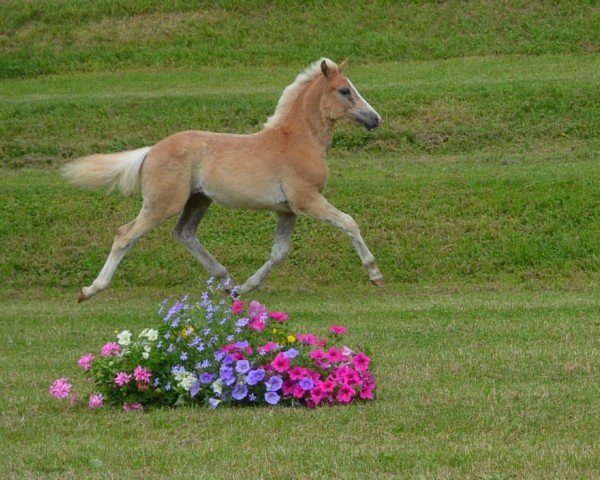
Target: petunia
(291, 353)
(278, 316)
(281, 363)
(335, 355)
(306, 383)
(345, 394)
(338, 329)
(213, 402)
(206, 377)
(242, 366)
(361, 361)
(239, 392)
(272, 398)
(274, 383)
(124, 338)
(237, 307)
(255, 376)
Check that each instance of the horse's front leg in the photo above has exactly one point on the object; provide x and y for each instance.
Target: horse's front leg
(281, 247)
(316, 206)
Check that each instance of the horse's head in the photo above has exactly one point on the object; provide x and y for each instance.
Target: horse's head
(342, 100)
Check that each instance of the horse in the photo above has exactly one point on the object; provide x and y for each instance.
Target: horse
(282, 168)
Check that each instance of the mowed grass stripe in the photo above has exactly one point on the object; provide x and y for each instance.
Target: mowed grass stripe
(506, 385)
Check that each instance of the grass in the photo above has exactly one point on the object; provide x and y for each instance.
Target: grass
(479, 196)
(473, 385)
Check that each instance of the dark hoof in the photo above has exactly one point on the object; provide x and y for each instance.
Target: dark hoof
(81, 297)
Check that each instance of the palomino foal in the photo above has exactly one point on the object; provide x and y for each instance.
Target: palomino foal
(281, 168)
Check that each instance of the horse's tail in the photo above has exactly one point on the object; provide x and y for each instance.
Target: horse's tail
(108, 170)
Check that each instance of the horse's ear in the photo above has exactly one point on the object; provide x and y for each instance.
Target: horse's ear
(342, 65)
(325, 69)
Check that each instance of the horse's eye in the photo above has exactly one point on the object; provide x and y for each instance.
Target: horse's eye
(345, 91)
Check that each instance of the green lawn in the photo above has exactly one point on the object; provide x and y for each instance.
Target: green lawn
(472, 385)
(479, 196)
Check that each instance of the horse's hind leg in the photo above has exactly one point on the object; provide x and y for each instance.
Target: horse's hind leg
(185, 233)
(281, 247)
(151, 215)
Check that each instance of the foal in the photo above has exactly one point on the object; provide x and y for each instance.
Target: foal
(281, 168)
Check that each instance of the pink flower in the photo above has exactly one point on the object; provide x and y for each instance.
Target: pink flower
(347, 375)
(345, 394)
(256, 309)
(361, 361)
(334, 355)
(96, 400)
(257, 324)
(281, 363)
(85, 362)
(307, 338)
(61, 388)
(318, 394)
(367, 392)
(142, 374)
(317, 354)
(122, 378)
(278, 316)
(238, 306)
(110, 348)
(329, 386)
(268, 347)
(297, 373)
(338, 329)
(132, 407)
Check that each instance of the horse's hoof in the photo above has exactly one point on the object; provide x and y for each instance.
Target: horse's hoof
(378, 283)
(81, 297)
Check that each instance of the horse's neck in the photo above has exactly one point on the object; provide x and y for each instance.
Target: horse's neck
(307, 120)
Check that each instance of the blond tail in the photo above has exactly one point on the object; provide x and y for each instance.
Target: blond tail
(108, 170)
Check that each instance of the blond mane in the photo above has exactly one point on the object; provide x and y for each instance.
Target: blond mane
(292, 91)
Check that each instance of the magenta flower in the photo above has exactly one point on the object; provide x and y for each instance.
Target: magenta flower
(268, 347)
(258, 324)
(142, 374)
(110, 348)
(85, 362)
(361, 361)
(338, 329)
(318, 394)
(345, 394)
(367, 392)
(278, 316)
(307, 338)
(122, 378)
(335, 355)
(317, 354)
(238, 307)
(96, 400)
(61, 388)
(256, 309)
(281, 363)
(297, 373)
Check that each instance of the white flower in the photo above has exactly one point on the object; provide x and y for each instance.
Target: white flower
(152, 335)
(185, 380)
(217, 386)
(146, 352)
(149, 333)
(124, 338)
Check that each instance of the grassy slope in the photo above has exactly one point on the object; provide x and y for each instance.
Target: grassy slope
(55, 36)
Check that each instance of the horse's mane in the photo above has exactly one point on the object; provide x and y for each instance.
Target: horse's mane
(292, 91)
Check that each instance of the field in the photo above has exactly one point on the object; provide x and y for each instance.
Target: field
(479, 196)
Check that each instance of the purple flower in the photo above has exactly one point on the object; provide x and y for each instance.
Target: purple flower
(252, 397)
(206, 377)
(213, 402)
(159, 345)
(242, 366)
(239, 392)
(220, 355)
(230, 338)
(178, 370)
(242, 322)
(291, 353)
(272, 398)
(183, 356)
(306, 383)
(206, 363)
(170, 348)
(274, 383)
(168, 386)
(194, 389)
(156, 382)
(255, 376)
(227, 359)
(226, 373)
(243, 344)
(229, 381)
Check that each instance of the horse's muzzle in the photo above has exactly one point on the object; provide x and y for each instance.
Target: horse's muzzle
(369, 119)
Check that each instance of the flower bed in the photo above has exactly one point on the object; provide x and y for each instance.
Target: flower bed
(222, 352)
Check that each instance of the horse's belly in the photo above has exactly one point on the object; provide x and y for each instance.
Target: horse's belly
(269, 199)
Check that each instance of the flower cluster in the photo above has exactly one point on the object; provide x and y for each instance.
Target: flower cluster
(223, 352)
